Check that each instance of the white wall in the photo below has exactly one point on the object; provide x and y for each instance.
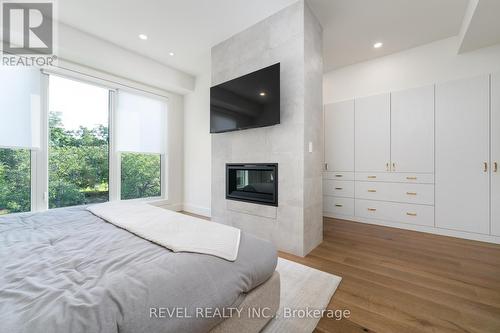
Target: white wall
(197, 146)
(427, 64)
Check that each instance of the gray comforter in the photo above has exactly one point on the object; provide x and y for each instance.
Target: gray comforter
(67, 270)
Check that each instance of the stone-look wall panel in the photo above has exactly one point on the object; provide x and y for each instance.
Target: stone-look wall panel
(279, 38)
(313, 131)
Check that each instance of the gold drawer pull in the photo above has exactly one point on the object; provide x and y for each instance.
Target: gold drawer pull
(411, 193)
(411, 214)
(372, 177)
(372, 191)
(339, 205)
(372, 209)
(411, 178)
(495, 167)
(485, 166)
(339, 176)
(339, 188)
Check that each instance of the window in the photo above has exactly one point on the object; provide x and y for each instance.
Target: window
(15, 180)
(65, 142)
(140, 143)
(19, 134)
(78, 143)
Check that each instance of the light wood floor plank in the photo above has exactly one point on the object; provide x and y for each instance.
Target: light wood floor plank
(396, 280)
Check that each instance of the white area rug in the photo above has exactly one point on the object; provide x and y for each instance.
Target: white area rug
(302, 287)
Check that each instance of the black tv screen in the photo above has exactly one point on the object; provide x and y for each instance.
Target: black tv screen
(249, 101)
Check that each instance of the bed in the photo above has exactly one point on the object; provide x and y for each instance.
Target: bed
(67, 270)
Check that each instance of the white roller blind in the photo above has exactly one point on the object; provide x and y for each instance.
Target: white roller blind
(141, 124)
(19, 107)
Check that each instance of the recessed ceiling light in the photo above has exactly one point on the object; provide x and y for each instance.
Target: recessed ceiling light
(171, 54)
(143, 36)
(378, 45)
(262, 93)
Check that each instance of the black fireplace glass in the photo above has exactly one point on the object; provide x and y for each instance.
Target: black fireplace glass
(257, 183)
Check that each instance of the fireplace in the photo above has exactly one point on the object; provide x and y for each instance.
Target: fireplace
(256, 183)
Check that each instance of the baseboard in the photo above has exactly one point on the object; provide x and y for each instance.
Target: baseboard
(414, 227)
(203, 211)
(164, 204)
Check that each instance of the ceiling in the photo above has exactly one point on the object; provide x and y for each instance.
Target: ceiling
(351, 27)
(189, 28)
(481, 25)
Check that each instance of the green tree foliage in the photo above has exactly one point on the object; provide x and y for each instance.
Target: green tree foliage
(78, 170)
(15, 180)
(78, 164)
(141, 176)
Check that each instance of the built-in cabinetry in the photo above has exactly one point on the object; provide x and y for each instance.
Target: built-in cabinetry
(373, 133)
(338, 182)
(424, 157)
(462, 155)
(495, 154)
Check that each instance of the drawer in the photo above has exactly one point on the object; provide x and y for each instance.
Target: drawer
(422, 194)
(338, 188)
(338, 175)
(395, 212)
(339, 206)
(396, 177)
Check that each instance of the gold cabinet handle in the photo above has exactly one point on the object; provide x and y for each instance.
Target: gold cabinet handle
(372, 191)
(372, 209)
(411, 178)
(485, 166)
(339, 188)
(411, 193)
(393, 166)
(339, 176)
(372, 177)
(495, 167)
(387, 166)
(339, 205)
(411, 214)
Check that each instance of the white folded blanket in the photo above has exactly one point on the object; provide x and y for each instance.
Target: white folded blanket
(175, 231)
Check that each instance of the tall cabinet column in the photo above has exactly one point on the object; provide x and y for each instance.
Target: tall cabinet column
(462, 155)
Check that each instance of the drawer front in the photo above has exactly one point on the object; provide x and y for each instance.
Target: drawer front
(338, 188)
(339, 175)
(422, 194)
(340, 206)
(395, 212)
(416, 178)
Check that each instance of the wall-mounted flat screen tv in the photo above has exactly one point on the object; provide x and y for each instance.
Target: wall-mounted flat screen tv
(246, 102)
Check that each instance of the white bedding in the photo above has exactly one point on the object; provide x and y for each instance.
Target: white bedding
(175, 231)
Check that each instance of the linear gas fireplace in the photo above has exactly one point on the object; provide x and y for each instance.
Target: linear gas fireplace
(257, 183)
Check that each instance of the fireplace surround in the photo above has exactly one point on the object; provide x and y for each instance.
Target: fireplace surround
(255, 183)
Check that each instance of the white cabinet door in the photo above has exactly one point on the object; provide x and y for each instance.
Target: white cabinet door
(462, 148)
(412, 130)
(373, 133)
(339, 136)
(495, 154)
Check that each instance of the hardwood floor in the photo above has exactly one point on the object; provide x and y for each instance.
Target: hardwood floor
(402, 281)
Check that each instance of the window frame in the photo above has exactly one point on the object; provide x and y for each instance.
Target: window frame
(40, 156)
